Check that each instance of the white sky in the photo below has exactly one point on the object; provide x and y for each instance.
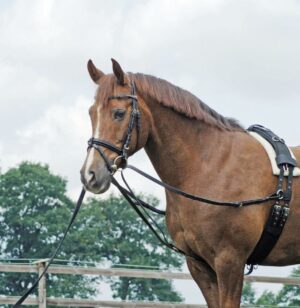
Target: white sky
(240, 57)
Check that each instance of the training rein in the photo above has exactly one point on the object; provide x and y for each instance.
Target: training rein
(137, 203)
(135, 121)
(121, 162)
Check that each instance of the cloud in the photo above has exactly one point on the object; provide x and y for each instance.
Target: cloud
(59, 120)
(239, 57)
(57, 138)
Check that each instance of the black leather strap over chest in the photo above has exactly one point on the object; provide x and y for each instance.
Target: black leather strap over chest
(280, 210)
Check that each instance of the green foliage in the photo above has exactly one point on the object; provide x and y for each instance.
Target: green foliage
(268, 298)
(289, 295)
(34, 214)
(145, 289)
(248, 295)
(125, 239)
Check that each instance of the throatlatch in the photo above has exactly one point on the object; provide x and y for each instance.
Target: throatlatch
(280, 210)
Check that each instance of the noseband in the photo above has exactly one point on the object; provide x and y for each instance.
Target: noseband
(134, 121)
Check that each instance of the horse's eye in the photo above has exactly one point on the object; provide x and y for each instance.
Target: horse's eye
(118, 114)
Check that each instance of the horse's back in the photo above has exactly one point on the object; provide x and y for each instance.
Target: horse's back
(296, 151)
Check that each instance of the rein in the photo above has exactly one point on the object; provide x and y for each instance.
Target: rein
(275, 196)
(35, 284)
(128, 194)
(135, 121)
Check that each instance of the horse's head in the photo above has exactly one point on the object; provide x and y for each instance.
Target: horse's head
(119, 127)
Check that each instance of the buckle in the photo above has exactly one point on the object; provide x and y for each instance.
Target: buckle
(280, 194)
(277, 139)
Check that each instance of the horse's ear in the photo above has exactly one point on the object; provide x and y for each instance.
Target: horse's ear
(119, 73)
(94, 72)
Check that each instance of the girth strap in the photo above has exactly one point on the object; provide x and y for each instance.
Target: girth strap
(280, 210)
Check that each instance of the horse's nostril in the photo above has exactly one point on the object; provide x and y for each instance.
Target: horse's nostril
(92, 176)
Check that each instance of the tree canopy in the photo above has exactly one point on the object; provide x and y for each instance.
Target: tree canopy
(125, 239)
(34, 212)
(288, 296)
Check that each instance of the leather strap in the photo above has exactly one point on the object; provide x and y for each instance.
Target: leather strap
(134, 201)
(270, 233)
(274, 196)
(280, 210)
(93, 141)
(75, 212)
(134, 121)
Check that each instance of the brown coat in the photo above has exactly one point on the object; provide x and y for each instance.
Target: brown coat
(199, 151)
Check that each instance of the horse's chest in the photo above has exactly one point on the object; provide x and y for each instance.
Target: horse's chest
(192, 228)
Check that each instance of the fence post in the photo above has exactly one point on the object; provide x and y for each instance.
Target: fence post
(41, 264)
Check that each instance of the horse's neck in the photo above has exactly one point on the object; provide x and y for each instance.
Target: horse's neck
(177, 145)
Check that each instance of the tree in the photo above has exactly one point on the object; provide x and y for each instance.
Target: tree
(249, 298)
(34, 214)
(248, 295)
(267, 298)
(122, 238)
(289, 295)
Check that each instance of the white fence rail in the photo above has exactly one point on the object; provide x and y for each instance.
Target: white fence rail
(42, 301)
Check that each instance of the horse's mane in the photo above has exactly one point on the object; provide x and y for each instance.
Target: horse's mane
(182, 101)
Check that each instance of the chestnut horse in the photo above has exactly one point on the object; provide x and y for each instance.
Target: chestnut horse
(197, 150)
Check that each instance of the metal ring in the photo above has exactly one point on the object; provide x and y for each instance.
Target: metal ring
(114, 167)
(277, 139)
(280, 194)
(117, 158)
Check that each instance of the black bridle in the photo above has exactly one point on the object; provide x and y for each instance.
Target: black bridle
(134, 121)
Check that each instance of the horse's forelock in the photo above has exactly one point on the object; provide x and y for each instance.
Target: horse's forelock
(105, 89)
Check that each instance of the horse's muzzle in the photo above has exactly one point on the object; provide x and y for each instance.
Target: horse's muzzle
(95, 180)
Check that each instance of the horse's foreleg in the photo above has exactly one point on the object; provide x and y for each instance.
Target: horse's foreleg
(206, 279)
(230, 276)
